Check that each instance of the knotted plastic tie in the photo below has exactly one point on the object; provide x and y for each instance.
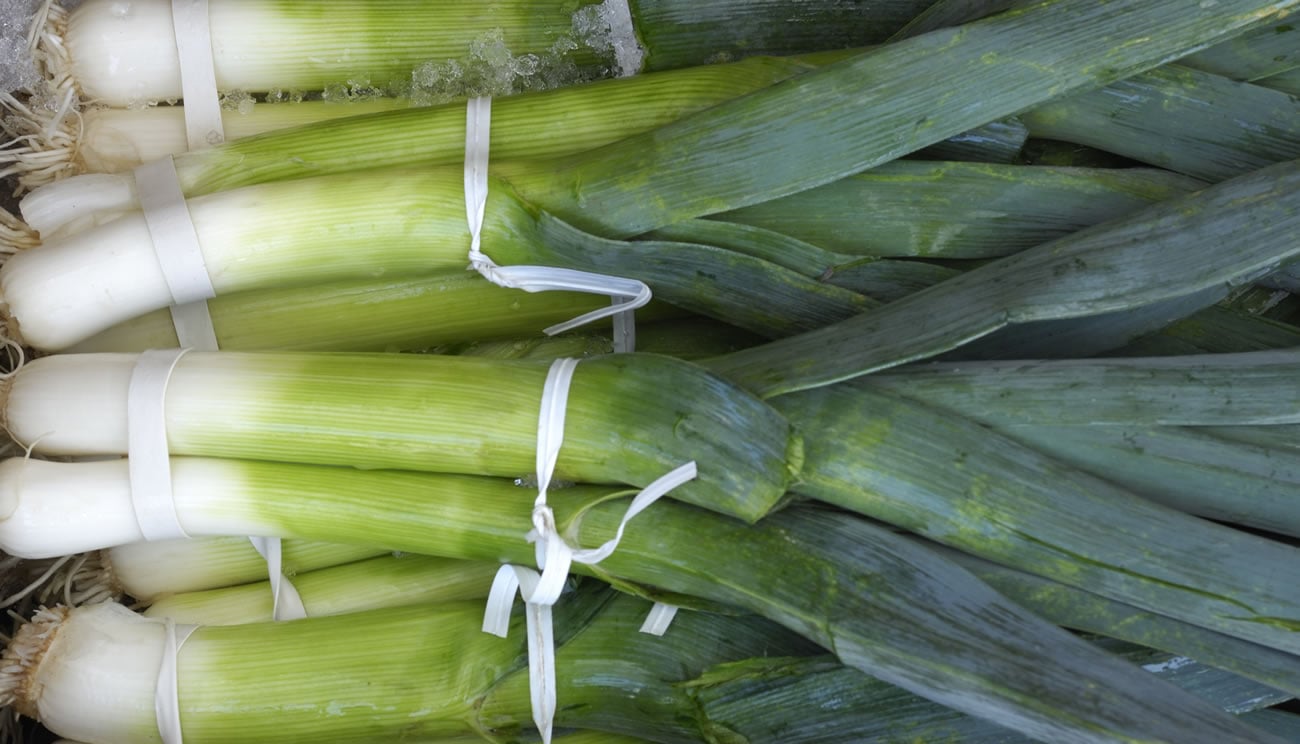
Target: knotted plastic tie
(625, 295)
(555, 556)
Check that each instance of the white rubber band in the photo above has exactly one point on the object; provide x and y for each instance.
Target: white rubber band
(555, 555)
(286, 603)
(626, 295)
(203, 126)
(175, 242)
(148, 459)
(166, 699)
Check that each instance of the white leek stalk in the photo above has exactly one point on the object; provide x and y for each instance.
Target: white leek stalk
(115, 140)
(92, 672)
(109, 659)
(385, 581)
(309, 231)
(124, 54)
(148, 570)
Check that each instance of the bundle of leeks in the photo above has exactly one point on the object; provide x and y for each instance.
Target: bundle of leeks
(864, 446)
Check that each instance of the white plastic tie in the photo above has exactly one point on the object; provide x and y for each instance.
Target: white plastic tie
(166, 700)
(541, 638)
(478, 128)
(286, 603)
(554, 555)
(193, 326)
(175, 241)
(176, 244)
(626, 295)
(659, 618)
(203, 126)
(148, 459)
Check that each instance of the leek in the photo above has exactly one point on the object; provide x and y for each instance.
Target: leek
(417, 672)
(1203, 390)
(1216, 330)
(1123, 420)
(762, 297)
(1088, 335)
(1251, 483)
(833, 578)
(696, 677)
(380, 42)
(959, 210)
(363, 315)
(412, 223)
(943, 13)
(751, 699)
(1250, 56)
(1279, 723)
(1254, 55)
(1119, 265)
(372, 584)
(868, 125)
(398, 224)
(880, 280)
(1182, 119)
(114, 140)
(869, 109)
(1287, 82)
(1281, 437)
(671, 34)
(680, 33)
(995, 142)
(393, 314)
(861, 140)
(148, 570)
(733, 693)
(960, 484)
(523, 127)
(595, 191)
(128, 57)
(1082, 610)
(427, 413)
